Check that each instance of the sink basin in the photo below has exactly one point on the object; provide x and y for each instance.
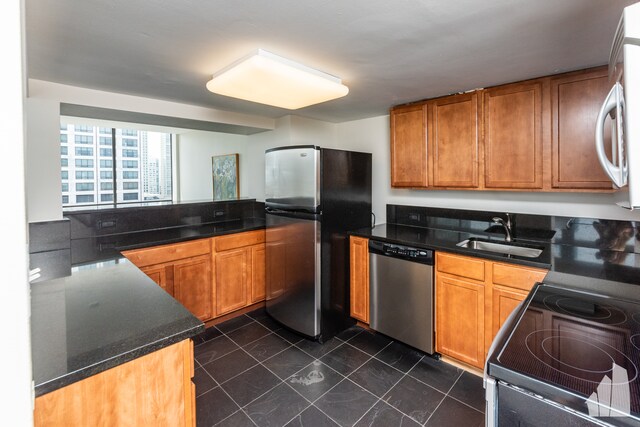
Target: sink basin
(501, 248)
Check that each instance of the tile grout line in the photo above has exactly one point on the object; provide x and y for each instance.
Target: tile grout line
(442, 401)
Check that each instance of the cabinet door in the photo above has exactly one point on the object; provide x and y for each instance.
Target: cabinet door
(505, 300)
(460, 319)
(453, 137)
(258, 273)
(192, 285)
(408, 147)
(575, 102)
(513, 136)
(359, 278)
(158, 273)
(231, 280)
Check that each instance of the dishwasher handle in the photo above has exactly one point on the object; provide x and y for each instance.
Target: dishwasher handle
(408, 253)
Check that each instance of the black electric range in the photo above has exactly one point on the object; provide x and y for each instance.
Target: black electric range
(568, 356)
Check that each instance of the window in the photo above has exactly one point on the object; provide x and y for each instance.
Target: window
(138, 169)
(84, 186)
(84, 139)
(84, 174)
(63, 126)
(65, 200)
(84, 151)
(65, 187)
(84, 198)
(84, 163)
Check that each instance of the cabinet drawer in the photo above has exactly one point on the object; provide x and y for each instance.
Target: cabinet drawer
(232, 241)
(460, 266)
(517, 276)
(168, 253)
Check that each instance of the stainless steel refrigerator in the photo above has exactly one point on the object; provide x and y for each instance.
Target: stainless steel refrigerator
(313, 197)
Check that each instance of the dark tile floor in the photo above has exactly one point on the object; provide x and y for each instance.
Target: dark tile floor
(251, 372)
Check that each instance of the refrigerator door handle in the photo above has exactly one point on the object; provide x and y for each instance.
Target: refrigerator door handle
(614, 100)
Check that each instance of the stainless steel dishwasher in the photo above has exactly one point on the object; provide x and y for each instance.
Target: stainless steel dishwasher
(401, 293)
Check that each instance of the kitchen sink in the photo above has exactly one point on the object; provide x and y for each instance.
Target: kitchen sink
(501, 248)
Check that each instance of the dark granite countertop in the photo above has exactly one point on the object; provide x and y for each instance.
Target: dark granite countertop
(101, 316)
(571, 259)
(107, 312)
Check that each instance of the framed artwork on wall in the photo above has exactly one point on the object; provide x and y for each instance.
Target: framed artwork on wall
(226, 181)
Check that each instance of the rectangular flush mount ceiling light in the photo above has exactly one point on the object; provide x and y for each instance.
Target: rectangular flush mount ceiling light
(273, 80)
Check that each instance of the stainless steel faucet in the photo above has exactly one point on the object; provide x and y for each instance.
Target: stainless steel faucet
(506, 224)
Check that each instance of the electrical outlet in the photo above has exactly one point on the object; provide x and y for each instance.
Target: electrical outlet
(414, 216)
(218, 213)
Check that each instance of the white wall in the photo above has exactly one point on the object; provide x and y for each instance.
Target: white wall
(44, 192)
(194, 150)
(15, 404)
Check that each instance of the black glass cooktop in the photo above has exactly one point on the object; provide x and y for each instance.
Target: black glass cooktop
(578, 349)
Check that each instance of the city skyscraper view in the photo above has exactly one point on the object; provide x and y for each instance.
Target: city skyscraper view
(100, 165)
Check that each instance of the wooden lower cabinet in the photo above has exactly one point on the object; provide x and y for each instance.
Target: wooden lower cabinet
(210, 277)
(239, 270)
(232, 269)
(359, 278)
(192, 285)
(474, 297)
(460, 313)
(155, 389)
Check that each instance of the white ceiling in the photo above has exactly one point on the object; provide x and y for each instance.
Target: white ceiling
(387, 52)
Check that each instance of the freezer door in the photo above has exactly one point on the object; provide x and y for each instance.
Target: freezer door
(293, 272)
(292, 178)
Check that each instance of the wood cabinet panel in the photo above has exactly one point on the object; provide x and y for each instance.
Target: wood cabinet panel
(408, 147)
(453, 140)
(460, 307)
(359, 278)
(158, 273)
(193, 287)
(258, 273)
(168, 253)
(517, 276)
(575, 101)
(462, 266)
(155, 389)
(505, 300)
(513, 136)
(239, 240)
(231, 280)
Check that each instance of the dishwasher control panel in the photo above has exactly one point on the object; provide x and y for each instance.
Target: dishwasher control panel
(424, 256)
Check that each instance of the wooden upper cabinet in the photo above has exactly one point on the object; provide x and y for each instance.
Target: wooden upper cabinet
(359, 278)
(452, 123)
(409, 147)
(575, 101)
(513, 136)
